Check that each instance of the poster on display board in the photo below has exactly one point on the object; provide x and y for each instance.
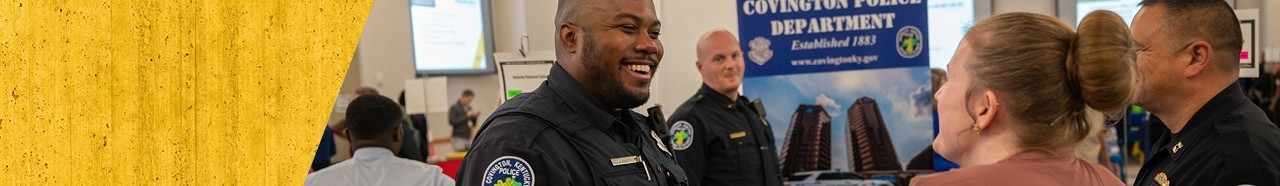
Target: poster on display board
(521, 72)
(845, 83)
(522, 76)
(1249, 63)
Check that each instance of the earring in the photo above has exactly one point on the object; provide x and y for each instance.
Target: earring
(977, 129)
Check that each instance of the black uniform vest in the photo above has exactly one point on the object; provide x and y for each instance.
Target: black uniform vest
(599, 150)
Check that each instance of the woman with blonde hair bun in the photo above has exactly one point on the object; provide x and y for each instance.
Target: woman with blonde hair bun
(1013, 105)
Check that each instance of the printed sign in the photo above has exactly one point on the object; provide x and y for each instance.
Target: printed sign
(846, 82)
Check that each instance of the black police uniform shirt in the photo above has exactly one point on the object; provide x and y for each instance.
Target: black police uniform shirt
(558, 135)
(1229, 141)
(723, 142)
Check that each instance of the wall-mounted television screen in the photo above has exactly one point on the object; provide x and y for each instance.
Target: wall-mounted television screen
(451, 37)
(948, 21)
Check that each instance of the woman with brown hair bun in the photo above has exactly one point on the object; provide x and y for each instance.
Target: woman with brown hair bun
(1013, 104)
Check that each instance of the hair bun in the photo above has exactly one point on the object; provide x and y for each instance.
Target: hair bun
(1101, 65)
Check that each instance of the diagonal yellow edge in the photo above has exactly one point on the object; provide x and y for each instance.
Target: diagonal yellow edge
(206, 92)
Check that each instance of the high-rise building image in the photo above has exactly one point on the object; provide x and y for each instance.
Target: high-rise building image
(922, 160)
(808, 143)
(869, 145)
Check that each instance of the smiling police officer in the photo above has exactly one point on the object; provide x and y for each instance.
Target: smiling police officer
(577, 127)
(719, 138)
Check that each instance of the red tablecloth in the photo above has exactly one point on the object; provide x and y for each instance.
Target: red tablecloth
(450, 167)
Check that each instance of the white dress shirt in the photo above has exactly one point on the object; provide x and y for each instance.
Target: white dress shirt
(379, 166)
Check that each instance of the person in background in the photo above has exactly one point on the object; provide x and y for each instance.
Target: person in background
(338, 128)
(577, 128)
(1264, 87)
(1260, 89)
(342, 149)
(1013, 107)
(1109, 152)
(1272, 70)
(1188, 65)
(420, 125)
(710, 130)
(410, 149)
(374, 125)
(462, 118)
(1094, 148)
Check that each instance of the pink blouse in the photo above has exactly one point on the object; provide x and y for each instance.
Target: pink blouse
(1027, 168)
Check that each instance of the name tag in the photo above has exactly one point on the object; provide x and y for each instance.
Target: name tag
(738, 134)
(625, 160)
(632, 160)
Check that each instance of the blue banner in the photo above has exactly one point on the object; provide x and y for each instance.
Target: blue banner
(845, 85)
(802, 36)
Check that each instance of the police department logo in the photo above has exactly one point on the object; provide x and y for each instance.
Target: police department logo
(910, 42)
(508, 171)
(681, 135)
(760, 52)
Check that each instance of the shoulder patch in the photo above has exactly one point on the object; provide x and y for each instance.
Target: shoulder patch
(508, 171)
(681, 135)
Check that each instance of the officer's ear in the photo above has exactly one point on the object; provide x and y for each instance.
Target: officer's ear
(567, 36)
(1195, 58)
(399, 133)
(698, 63)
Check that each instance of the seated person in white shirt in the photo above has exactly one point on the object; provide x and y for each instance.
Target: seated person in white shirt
(373, 125)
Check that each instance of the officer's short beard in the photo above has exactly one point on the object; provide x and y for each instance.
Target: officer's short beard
(610, 79)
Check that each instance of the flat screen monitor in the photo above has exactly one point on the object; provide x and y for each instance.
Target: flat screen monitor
(948, 21)
(451, 37)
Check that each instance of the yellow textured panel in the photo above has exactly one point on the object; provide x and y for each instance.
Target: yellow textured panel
(206, 92)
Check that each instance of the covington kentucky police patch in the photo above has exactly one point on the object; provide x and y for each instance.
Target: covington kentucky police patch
(508, 171)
